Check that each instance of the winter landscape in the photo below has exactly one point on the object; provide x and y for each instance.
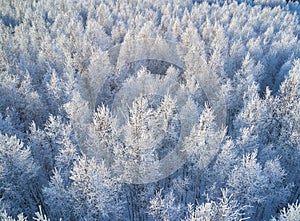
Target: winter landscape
(143, 110)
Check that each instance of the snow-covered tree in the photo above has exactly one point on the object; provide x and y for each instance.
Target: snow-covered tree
(58, 198)
(18, 177)
(225, 208)
(291, 213)
(93, 190)
(205, 139)
(103, 136)
(164, 207)
(141, 136)
(48, 143)
(255, 186)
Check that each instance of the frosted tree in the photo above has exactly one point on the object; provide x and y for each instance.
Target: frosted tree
(93, 190)
(40, 216)
(224, 164)
(247, 182)
(244, 78)
(143, 134)
(10, 124)
(257, 120)
(55, 92)
(290, 213)
(19, 94)
(140, 139)
(68, 153)
(205, 139)
(5, 217)
(79, 112)
(58, 198)
(225, 208)
(57, 139)
(41, 151)
(164, 207)
(288, 116)
(103, 136)
(88, 195)
(289, 107)
(75, 49)
(168, 123)
(97, 72)
(18, 177)
(50, 55)
(58, 89)
(201, 146)
(255, 186)
(96, 35)
(277, 192)
(118, 32)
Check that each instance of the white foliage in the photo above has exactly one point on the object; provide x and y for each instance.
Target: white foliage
(59, 59)
(204, 141)
(164, 207)
(17, 175)
(291, 213)
(226, 208)
(92, 189)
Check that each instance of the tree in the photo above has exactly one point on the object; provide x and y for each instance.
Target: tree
(201, 146)
(255, 186)
(103, 136)
(5, 217)
(18, 176)
(80, 114)
(93, 190)
(89, 194)
(46, 144)
(278, 192)
(204, 141)
(58, 197)
(245, 77)
(257, 121)
(287, 110)
(164, 208)
(226, 208)
(291, 213)
(97, 73)
(290, 108)
(58, 90)
(247, 182)
(141, 136)
(19, 95)
(224, 164)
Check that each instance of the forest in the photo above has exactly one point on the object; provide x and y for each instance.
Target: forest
(141, 110)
